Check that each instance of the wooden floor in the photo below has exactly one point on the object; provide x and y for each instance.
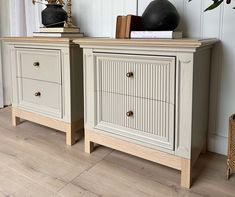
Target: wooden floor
(34, 161)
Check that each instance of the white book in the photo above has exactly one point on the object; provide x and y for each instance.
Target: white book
(59, 29)
(58, 35)
(157, 34)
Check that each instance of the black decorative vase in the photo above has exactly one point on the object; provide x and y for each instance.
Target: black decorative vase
(54, 15)
(160, 15)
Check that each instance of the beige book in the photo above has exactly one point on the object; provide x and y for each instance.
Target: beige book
(59, 30)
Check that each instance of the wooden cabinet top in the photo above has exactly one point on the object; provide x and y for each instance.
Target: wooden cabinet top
(38, 40)
(181, 43)
(88, 42)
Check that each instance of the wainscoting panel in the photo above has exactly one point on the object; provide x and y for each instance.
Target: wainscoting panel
(5, 31)
(142, 4)
(1, 81)
(98, 17)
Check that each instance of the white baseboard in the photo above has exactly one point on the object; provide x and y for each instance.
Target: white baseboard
(217, 144)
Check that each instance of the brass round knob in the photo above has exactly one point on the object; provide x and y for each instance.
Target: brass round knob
(129, 113)
(37, 94)
(36, 64)
(129, 74)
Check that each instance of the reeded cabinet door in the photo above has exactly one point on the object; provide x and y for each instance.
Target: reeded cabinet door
(136, 97)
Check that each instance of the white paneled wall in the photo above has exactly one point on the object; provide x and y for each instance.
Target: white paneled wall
(5, 31)
(98, 17)
(1, 81)
(25, 18)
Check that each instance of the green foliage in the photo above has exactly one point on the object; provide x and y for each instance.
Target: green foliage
(216, 3)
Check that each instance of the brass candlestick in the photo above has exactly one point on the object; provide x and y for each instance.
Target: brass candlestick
(69, 22)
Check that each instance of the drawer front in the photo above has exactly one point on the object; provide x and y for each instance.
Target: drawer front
(150, 77)
(39, 96)
(144, 120)
(39, 64)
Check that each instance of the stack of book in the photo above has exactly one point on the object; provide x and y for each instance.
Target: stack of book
(130, 26)
(126, 24)
(59, 32)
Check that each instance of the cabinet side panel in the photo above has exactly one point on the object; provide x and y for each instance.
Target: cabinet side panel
(201, 79)
(184, 97)
(13, 62)
(89, 88)
(66, 84)
(76, 61)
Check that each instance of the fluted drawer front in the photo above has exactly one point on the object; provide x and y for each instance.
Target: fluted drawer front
(40, 96)
(142, 76)
(40, 64)
(145, 120)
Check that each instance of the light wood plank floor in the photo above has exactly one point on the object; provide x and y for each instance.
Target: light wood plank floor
(34, 161)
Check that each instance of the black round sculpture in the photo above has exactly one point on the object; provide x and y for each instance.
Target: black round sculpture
(160, 15)
(54, 15)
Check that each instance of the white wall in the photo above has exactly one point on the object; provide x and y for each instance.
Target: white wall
(25, 18)
(97, 18)
(5, 31)
(1, 80)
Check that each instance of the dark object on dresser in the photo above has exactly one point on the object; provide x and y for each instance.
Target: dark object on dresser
(54, 15)
(160, 15)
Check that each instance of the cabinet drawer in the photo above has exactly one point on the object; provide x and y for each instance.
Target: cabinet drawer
(144, 120)
(39, 96)
(150, 77)
(39, 64)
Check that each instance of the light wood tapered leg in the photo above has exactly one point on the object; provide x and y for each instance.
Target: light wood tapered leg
(186, 173)
(71, 137)
(15, 120)
(89, 146)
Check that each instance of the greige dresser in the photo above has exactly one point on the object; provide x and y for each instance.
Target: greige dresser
(47, 83)
(148, 98)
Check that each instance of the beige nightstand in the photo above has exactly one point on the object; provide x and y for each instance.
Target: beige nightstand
(148, 98)
(47, 83)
